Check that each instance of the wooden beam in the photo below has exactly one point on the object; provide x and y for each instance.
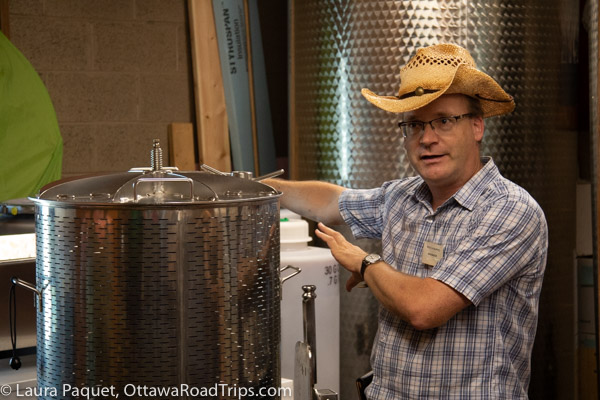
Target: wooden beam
(211, 112)
(4, 18)
(257, 171)
(181, 146)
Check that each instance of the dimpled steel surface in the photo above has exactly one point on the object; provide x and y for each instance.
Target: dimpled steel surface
(159, 297)
(340, 46)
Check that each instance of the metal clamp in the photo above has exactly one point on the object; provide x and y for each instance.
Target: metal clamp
(241, 174)
(163, 180)
(269, 175)
(296, 269)
(212, 170)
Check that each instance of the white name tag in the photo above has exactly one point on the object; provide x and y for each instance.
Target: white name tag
(432, 253)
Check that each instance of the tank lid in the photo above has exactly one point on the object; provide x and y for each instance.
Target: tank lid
(293, 230)
(285, 214)
(161, 185)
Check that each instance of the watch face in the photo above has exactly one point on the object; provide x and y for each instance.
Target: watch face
(372, 258)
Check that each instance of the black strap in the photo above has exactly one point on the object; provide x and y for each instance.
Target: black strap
(15, 362)
(362, 383)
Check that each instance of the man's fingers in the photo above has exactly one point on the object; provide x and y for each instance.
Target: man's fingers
(335, 235)
(323, 235)
(352, 281)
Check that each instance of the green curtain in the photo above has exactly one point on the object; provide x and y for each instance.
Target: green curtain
(30, 141)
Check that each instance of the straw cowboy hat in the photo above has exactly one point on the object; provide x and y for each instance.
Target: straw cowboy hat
(443, 69)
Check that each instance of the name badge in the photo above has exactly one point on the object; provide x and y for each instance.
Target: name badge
(432, 253)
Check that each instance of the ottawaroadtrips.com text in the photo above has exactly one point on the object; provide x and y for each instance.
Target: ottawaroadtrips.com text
(131, 390)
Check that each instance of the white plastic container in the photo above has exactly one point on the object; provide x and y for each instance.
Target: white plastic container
(319, 268)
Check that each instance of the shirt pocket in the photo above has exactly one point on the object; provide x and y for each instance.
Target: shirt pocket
(450, 234)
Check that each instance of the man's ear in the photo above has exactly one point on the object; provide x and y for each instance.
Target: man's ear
(478, 128)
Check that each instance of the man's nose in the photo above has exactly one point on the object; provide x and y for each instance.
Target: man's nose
(428, 135)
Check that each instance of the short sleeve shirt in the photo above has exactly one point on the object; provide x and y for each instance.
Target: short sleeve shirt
(493, 240)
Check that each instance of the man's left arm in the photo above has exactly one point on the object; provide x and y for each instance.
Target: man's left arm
(423, 302)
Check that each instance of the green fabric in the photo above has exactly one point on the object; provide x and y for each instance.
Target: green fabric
(30, 141)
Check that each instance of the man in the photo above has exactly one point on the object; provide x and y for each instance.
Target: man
(464, 249)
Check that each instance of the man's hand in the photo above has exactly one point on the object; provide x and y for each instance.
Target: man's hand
(348, 255)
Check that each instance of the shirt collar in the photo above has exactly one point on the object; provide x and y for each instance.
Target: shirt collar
(467, 195)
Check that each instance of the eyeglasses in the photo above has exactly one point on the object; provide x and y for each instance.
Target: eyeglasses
(411, 129)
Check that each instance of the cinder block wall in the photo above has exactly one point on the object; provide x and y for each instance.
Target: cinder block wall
(117, 71)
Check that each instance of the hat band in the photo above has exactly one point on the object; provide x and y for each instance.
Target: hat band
(494, 100)
(418, 92)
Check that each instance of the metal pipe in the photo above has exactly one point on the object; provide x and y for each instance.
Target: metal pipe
(308, 314)
(29, 286)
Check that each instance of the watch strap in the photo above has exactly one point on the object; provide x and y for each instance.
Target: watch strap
(367, 261)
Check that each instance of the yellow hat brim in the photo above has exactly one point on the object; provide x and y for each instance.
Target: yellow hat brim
(468, 81)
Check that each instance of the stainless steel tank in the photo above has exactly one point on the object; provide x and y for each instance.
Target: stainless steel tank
(338, 47)
(160, 279)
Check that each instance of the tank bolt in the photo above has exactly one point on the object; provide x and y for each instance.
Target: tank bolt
(156, 155)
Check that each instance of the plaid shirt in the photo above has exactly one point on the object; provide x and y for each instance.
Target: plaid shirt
(494, 238)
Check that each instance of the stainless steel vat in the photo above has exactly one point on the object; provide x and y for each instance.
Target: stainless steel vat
(159, 279)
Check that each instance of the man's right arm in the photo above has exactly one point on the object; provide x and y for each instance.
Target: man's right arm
(314, 200)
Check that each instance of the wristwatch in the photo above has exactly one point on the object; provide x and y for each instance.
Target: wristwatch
(368, 260)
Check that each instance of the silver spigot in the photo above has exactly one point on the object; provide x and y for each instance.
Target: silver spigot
(308, 316)
(305, 370)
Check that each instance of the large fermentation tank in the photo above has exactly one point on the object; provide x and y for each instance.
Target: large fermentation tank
(340, 46)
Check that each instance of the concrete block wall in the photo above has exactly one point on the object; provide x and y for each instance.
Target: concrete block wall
(117, 71)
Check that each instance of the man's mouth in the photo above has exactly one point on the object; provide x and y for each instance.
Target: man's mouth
(428, 157)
